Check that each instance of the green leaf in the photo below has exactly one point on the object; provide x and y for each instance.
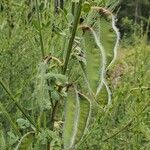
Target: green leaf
(26, 141)
(84, 116)
(71, 119)
(23, 124)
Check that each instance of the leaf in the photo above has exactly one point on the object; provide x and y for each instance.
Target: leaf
(26, 141)
(84, 116)
(22, 123)
(71, 119)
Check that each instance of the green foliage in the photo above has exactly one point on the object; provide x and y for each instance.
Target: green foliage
(59, 88)
(126, 121)
(49, 83)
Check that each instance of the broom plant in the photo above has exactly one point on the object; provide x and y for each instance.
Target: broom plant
(70, 74)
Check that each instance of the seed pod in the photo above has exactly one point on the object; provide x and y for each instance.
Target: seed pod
(84, 116)
(77, 115)
(71, 119)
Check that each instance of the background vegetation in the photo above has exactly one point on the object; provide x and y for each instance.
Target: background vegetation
(34, 39)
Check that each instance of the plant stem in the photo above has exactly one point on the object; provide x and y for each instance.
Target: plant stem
(75, 25)
(16, 103)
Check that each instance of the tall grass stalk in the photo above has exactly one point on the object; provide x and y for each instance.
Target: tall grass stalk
(73, 33)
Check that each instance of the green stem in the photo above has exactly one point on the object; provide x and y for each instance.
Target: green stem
(75, 25)
(40, 31)
(16, 103)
